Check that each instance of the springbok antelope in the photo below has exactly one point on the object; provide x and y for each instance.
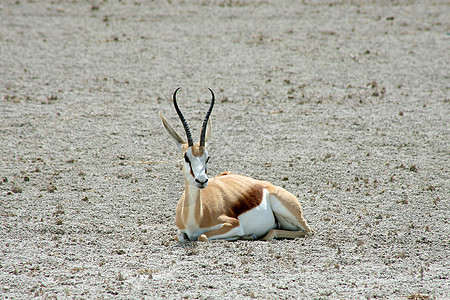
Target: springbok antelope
(229, 206)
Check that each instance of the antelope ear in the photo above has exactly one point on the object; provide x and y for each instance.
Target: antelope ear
(173, 134)
(208, 129)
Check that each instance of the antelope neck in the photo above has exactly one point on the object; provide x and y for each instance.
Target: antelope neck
(192, 195)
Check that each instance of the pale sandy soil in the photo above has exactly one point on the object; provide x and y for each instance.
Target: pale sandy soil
(344, 103)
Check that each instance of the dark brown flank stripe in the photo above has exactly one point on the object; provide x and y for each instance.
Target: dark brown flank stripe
(247, 201)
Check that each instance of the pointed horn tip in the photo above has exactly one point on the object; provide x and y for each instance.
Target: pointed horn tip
(206, 120)
(175, 93)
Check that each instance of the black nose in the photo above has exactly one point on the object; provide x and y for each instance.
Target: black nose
(196, 180)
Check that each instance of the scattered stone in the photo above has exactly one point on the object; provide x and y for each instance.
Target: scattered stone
(51, 188)
(413, 168)
(16, 189)
(124, 176)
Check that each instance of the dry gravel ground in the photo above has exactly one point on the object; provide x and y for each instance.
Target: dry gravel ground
(345, 103)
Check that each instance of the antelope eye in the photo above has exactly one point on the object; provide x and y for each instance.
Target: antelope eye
(187, 159)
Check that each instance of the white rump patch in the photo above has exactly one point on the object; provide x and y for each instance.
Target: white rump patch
(285, 218)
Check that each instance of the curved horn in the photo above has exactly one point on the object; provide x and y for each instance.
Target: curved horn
(183, 120)
(205, 122)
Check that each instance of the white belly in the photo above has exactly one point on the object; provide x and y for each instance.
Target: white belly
(260, 220)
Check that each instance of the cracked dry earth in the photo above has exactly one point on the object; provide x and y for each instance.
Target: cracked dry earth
(343, 103)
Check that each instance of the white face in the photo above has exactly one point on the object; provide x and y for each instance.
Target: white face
(195, 167)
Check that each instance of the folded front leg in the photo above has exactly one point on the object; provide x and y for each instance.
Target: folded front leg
(230, 230)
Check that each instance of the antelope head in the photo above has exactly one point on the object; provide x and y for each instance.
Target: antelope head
(195, 156)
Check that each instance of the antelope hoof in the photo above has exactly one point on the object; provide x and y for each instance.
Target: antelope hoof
(202, 238)
(181, 237)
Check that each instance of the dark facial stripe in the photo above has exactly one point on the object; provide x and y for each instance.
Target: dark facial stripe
(190, 170)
